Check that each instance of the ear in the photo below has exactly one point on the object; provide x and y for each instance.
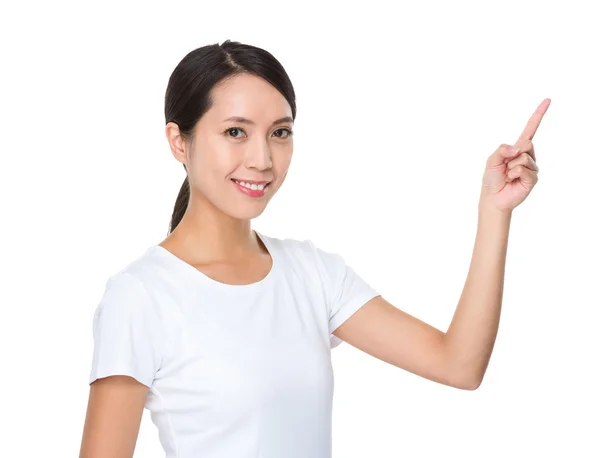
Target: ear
(176, 142)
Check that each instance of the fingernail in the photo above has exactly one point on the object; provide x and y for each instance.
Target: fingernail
(513, 149)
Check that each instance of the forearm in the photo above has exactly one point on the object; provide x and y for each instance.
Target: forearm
(470, 337)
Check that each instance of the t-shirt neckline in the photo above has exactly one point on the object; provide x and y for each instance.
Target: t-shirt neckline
(196, 274)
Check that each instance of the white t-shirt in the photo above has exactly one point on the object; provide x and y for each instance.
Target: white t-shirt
(238, 371)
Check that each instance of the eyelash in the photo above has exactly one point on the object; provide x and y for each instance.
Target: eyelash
(289, 131)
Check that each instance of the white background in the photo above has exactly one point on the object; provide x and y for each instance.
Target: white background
(399, 106)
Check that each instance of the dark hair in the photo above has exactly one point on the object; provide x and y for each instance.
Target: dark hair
(189, 96)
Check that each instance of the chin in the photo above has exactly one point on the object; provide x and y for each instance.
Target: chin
(248, 214)
(243, 212)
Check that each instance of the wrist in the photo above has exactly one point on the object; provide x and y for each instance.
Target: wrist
(488, 209)
(487, 205)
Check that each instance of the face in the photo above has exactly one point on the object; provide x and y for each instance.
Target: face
(228, 155)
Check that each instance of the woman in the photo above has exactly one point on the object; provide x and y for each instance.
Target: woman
(223, 333)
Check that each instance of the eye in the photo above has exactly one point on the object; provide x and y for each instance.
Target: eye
(234, 129)
(289, 132)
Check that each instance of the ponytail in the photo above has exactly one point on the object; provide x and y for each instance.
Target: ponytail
(180, 204)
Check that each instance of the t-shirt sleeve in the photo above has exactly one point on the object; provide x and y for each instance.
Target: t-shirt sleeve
(128, 338)
(345, 290)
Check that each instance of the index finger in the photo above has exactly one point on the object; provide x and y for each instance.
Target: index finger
(534, 121)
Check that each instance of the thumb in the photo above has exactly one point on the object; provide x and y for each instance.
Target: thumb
(503, 152)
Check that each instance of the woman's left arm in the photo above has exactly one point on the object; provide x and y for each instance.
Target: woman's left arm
(460, 356)
(510, 174)
(471, 335)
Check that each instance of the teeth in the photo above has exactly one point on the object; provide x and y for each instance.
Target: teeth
(254, 187)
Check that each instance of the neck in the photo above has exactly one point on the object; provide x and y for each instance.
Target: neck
(208, 235)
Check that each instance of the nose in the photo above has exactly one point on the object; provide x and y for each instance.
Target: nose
(258, 157)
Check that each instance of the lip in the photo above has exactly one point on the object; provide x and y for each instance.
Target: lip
(252, 192)
(251, 181)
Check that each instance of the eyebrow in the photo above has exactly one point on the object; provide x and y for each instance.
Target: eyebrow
(243, 120)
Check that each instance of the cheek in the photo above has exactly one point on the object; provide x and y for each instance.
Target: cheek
(219, 158)
(281, 166)
(283, 158)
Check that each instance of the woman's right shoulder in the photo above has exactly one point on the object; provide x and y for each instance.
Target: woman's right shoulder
(144, 270)
(142, 283)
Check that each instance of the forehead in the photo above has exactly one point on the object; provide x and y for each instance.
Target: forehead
(249, 96)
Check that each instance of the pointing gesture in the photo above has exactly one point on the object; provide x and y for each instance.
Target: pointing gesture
(511, 171)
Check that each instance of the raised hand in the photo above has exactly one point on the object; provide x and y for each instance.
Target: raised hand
(511, 171)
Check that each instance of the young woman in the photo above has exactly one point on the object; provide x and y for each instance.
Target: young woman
(223, 333)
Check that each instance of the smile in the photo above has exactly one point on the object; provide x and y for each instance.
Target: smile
(252, 190)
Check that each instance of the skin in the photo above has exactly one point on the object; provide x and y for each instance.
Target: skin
(113, 417)
(460, 356)
(215, 237)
